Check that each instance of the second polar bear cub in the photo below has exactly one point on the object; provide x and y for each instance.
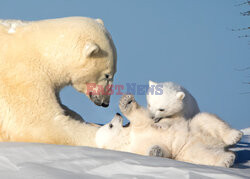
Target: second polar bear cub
(177, 102)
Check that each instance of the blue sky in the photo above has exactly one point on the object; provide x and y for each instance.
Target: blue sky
(188, 42)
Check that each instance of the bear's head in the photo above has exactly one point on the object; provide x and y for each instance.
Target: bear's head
(167, 104)
(95, 76)
(108, 134)
(81, 53)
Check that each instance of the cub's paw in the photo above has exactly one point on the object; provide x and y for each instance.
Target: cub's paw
(228, 159)
(162, 125)
(156, 120)
(127, 103)
(233, 137)
(156, 151)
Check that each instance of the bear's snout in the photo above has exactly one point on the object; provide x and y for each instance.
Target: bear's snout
(105, 105)
(99, 100)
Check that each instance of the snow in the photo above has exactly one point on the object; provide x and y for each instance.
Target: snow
(33, 160)
(246, 131)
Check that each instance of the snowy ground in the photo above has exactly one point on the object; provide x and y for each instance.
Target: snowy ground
(26, 160)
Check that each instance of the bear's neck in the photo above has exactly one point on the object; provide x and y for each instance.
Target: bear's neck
(124, 139)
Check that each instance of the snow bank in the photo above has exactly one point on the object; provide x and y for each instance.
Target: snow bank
(246, 131)
(38, 161)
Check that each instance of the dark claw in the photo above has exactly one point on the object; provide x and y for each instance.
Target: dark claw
(126, 102)
(157, 119)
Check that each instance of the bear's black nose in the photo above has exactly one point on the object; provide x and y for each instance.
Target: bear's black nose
(118, 114)
(105, 105)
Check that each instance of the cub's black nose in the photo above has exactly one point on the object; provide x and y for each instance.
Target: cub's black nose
(105, 105)
(118, 114)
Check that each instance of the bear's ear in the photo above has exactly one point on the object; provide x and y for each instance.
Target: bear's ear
(150, 83)
(90, 49)
(100, 21)
(180, 95)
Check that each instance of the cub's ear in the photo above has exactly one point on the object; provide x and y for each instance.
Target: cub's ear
(180, 95)
(90, 49)
(150, 83)
(100, 21)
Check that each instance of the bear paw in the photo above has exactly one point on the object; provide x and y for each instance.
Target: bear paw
(127, 103)
(233, 137)
(156, 151)
(228, 159)
(163, 125)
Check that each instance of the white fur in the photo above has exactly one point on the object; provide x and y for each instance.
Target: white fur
(175, 101)
(113, 137)
(201, 140)
(36, 63)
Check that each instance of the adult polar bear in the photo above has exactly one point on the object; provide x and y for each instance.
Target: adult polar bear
(39, 58)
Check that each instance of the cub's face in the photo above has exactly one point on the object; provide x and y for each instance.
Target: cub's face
(107, 135)
(169, 103)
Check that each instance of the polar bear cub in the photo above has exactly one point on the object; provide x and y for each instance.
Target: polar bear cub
(180, 139)
(114, 136)
(177, 102)
(185, 140)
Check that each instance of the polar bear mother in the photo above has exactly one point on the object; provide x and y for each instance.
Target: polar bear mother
(37, 59)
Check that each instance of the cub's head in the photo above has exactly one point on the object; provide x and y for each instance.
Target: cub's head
(167, 104)
(108, 134)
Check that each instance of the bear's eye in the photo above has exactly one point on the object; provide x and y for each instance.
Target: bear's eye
(110, 126)
(106, 76)
(161, 110)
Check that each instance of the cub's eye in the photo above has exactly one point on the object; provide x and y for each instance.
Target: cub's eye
(107, 76)
(161, 110)
(110, 126)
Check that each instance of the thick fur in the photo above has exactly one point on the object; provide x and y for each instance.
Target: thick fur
(175, 138)
(175, 101)
(113, 136)
(37, 59)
